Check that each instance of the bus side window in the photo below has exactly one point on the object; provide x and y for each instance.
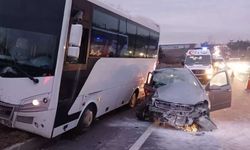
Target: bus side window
(103, 44)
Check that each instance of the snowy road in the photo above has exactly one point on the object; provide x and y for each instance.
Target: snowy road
(233, 129)
(120, 130)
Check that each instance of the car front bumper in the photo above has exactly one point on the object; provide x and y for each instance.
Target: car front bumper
(178, 118)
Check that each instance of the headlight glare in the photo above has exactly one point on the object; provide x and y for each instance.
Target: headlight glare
(36, 102)
(210, 71)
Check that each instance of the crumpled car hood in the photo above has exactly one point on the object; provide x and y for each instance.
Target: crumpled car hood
(189, 94)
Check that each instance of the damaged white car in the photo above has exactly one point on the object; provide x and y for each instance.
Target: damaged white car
(176, 97)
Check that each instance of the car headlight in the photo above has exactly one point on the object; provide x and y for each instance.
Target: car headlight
(35, 104)
(210, 71)
(216, 64)
(203, 105)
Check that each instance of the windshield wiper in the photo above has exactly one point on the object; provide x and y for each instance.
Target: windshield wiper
(24, 72)
(27, 75)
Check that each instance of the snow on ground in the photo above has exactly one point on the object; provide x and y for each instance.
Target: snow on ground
(233, 131)
(229, 135)
(175, 140)
(127, 123)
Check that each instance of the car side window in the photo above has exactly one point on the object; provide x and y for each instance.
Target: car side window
(219, 79)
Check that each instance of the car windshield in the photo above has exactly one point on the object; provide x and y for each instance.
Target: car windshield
(173, 76)
(30, 36)
(198, 59)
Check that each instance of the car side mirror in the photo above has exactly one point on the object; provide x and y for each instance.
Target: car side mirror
(75, 41)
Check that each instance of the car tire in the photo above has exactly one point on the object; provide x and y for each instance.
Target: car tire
(142, 111)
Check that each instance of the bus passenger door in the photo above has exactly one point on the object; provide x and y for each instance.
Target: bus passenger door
(74, 74)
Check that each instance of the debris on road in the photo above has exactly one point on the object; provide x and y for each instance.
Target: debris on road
(206, 124)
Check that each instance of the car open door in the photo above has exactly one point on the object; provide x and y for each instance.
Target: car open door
(219, 91)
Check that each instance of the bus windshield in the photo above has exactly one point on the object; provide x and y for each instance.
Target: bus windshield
(29, 35)
(198, 60)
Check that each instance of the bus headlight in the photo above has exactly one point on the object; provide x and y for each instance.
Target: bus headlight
(35, 104)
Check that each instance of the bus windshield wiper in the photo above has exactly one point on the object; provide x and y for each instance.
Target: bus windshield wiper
(24, 72)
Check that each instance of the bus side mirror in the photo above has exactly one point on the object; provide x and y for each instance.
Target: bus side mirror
(75, 40)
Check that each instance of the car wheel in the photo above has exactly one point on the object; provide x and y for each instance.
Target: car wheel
(142, 111)
(133, 100)
(141, 115)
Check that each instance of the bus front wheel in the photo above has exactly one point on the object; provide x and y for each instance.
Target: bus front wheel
(86, 119)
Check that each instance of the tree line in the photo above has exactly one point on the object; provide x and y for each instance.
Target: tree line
(239, 45)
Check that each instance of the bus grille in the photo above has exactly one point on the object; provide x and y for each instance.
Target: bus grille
(5, 111)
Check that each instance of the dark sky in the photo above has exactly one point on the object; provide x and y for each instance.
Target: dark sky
(184, 21)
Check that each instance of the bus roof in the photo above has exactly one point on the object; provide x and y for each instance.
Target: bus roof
(140, 20)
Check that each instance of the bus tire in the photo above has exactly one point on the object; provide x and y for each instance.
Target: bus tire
(86, 119)
(133, 100)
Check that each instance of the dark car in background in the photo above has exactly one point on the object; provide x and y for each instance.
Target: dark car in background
(175, 96)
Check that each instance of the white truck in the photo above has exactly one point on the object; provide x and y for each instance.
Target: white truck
(199, 61)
